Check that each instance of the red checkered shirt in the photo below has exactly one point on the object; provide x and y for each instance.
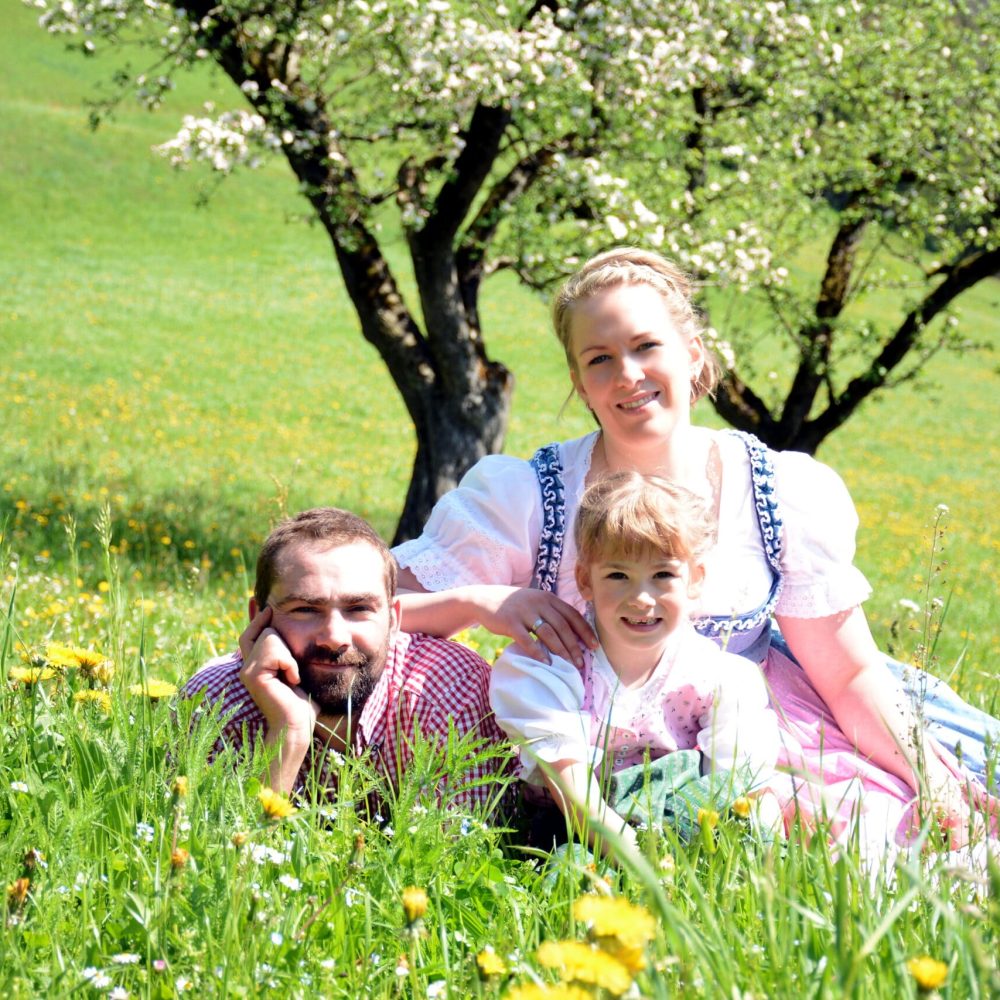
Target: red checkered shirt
(427, 683)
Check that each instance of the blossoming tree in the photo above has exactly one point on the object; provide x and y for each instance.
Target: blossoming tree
(525, 135)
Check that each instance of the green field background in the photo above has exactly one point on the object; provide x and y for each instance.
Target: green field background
(198, 370)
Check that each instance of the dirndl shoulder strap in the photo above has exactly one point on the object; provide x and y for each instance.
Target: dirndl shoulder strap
(548, 469)
(762, 483)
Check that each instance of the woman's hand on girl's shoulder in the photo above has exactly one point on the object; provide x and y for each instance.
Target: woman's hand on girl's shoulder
(539, 622)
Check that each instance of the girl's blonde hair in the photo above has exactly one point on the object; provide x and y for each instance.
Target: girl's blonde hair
(628, 513)
(631, 266)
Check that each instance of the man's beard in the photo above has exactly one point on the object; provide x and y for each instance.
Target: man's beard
(345, 689)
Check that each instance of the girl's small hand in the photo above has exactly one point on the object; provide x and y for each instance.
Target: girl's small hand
(539, 622)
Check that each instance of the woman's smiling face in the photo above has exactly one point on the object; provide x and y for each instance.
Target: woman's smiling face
(632, 366)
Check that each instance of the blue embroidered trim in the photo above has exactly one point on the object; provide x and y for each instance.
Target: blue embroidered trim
(548, 469)
(771, 531)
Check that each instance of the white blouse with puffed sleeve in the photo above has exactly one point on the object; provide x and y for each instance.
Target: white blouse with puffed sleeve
(487, 531)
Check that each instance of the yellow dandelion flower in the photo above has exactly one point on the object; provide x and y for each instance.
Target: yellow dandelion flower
(95, 665)
(708, 818)
(103, 673)
(631, 956)
(153, 689)
(489, 963)
(582, 963)
(17, 891)
(559, 991)
(741, 807)
(31, 675)
(239, 838)
(179, 857)
(61, 656)
(99, 698)
(275, 805)
(928, 972)
(609, 917)
(414, 901)
(180, 786)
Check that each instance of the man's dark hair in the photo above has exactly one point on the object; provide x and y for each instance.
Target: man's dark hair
(329, 525)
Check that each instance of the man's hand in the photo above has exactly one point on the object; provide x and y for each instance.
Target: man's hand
(271, 675)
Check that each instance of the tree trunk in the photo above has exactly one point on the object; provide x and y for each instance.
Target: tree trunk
(451, 436)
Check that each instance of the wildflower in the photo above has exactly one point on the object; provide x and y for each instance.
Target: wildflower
(100, 980)
(93, 664)
(182, 983)
(438, 988)
(402, 967)
(616, 918)
(275, 805)
(414, 903)
(31, 675)
(62, 657)
(928, 972)
(290, 882)
(99, 698)
(126, 958)
(118, 993)
(19, 786)
(153, 689)
(708, 818)
(179, 857)
(581, 963)
(17, 891)
(489, 963)
(144, 832)
(180, 786)
(159, 964)
(741, 807)
(277, 938)
(33, 858)
(238, 839)
(563, 991)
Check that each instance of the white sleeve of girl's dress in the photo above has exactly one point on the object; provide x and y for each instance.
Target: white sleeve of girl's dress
(820, 522)
(486, 530)
(739, 729)
(539, 706)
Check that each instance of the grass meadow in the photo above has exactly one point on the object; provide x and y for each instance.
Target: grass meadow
(174, 378)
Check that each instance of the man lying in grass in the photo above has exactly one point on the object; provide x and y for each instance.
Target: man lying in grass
(323, 668)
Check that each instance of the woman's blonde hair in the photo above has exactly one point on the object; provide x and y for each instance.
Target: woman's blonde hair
(628, 514)
(631, 266)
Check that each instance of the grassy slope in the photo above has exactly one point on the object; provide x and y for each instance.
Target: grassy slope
(200, 368)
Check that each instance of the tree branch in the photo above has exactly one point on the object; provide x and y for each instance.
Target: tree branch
(471, 253)
(966, 271)
(816, 339)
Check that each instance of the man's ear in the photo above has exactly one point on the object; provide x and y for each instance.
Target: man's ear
(696, 578)
(395, 616)
(583, 581)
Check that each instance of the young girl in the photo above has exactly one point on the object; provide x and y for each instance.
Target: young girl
(654, 686)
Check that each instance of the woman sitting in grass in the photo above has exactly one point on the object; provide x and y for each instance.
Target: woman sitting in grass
(496, 552)
(653, 687)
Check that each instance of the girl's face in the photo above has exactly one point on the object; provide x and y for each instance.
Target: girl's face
(632, 366)
(639, 603)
